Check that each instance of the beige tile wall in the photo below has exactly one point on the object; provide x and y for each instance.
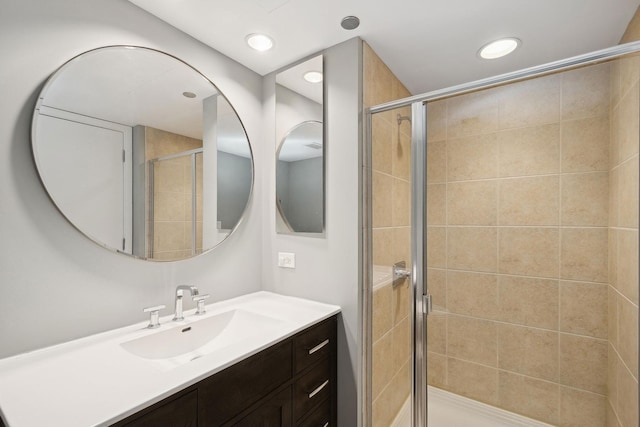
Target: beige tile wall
(632, 32)
(391, 358)
(622, 378)
(172, 223)
(526, 205)
(518, 216)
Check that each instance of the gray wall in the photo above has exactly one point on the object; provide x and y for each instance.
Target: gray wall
(283, 178)
(293, 109)
(55, 284)
(302, 194)
(326, 267)
(234, 184)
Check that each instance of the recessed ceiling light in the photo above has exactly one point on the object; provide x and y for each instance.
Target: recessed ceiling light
(259, 42)
(499, 48)
(313, 76)
(188, 94)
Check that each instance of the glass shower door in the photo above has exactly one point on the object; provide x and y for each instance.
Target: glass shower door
(391, 362)
(527, 212)
(175, 206)
(524, 227)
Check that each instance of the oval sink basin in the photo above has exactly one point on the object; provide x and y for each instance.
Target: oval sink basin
(200, 336)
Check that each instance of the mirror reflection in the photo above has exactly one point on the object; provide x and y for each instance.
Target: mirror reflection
(142, 153)
(299, 178)
(300, 154)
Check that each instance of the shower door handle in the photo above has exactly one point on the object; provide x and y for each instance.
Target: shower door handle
(400, 272)
(427, 304)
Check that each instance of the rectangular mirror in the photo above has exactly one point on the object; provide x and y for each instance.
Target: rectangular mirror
(301, 149)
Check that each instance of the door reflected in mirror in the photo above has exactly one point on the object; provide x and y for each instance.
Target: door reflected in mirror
(301, 150)
(142, 153)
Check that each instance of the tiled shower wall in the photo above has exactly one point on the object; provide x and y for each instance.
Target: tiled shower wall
(623, 244)
(391, 149)
(518, 190)
(172, 194)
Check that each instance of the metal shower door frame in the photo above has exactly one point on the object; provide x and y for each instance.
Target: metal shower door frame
(421, 304)
(419, 287)
(418, 292)
(151, 195)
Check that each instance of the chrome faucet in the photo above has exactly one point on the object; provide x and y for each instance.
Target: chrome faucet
(179, 294)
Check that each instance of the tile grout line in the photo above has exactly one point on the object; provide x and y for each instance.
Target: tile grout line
(624, 364)
(557, 383)
(520, 325)
(521, 276)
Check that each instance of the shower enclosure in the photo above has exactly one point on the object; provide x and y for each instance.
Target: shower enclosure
(175, 206)
(514, 203)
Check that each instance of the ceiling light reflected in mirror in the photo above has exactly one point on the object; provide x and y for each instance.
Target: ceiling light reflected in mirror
(313, 76)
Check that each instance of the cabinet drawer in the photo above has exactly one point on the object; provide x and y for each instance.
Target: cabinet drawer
(275, 412)
(229, 392)
(315, 344)
(312, 388)
(320, 417)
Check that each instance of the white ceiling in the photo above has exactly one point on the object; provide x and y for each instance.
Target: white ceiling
(293, 79)
(151, 94)
(428, 44)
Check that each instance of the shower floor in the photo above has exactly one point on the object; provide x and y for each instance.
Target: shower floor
(451, 410)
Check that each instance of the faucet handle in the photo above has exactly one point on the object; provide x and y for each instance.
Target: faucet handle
(199, 299)
(154, 317)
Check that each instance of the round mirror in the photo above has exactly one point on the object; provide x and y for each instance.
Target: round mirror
(142, 153)
(300, 178)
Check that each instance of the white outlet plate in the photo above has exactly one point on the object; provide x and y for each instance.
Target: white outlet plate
(286, 260)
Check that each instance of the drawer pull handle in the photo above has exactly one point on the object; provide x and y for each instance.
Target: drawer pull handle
(319, 389)
(319, 346)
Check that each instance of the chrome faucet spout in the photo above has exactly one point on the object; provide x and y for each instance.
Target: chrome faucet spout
(192, 289)
(179, 295)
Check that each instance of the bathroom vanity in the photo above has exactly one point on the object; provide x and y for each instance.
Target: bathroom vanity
(270, 360)
(290, 383)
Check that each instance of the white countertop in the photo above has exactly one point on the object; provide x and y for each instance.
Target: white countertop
(93, 381)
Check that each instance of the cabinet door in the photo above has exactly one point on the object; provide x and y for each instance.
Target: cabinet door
(320, 417)
(275, 412)
(231, 391)
(312, 388)
(180, 412)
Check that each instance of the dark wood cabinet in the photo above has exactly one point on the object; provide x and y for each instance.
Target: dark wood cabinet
(229, 392)
(320, 417)
(313, 345)
(173, 412)
(312, 388)
(275, 412)
(292, 383)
